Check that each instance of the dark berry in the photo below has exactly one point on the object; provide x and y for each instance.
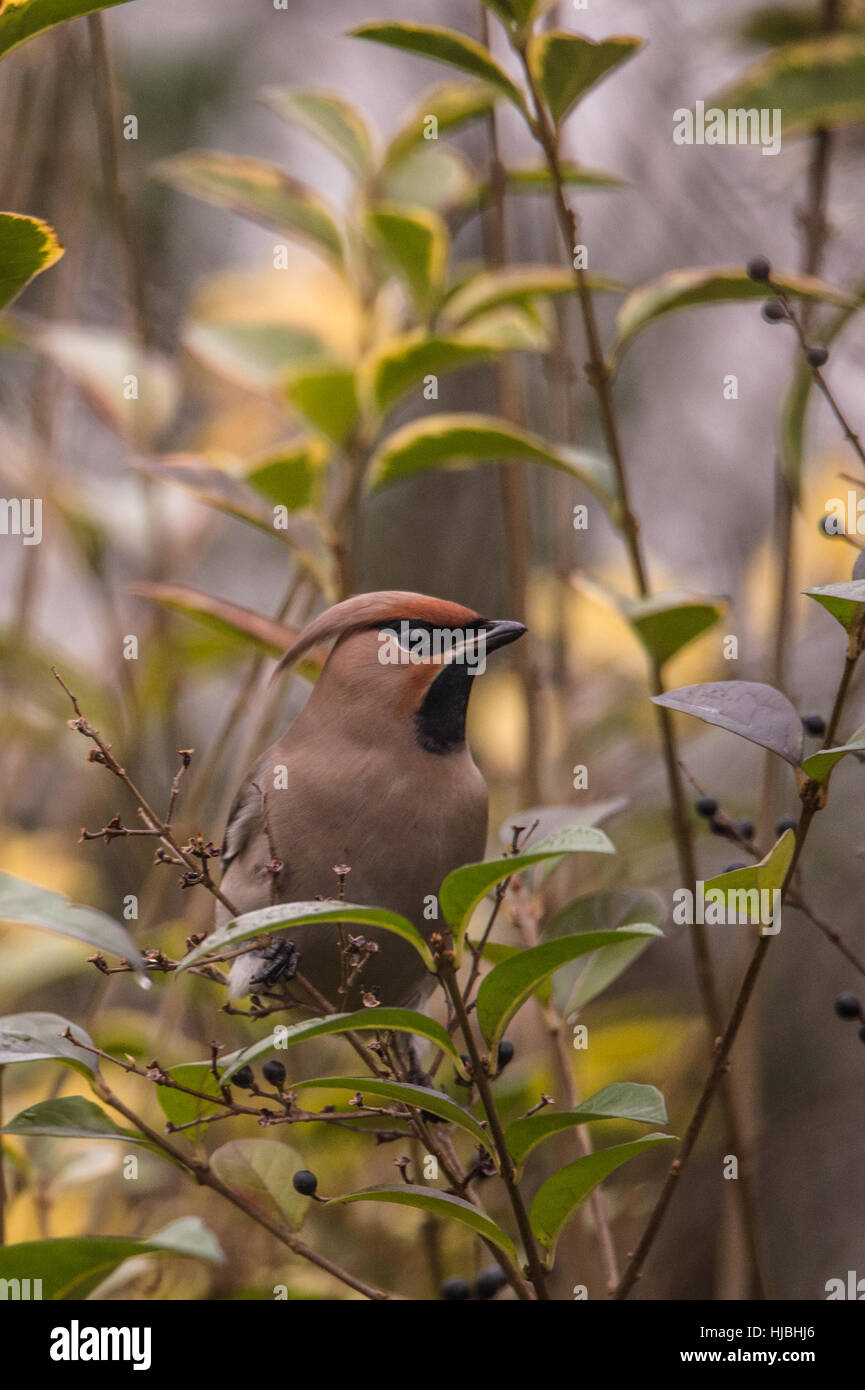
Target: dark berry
(848, 1006)
(817, 356)
(489, 1281)
(718, 828)
(706, 806)
(814, 724)
(305, 1182)
(505, 1053)
(773, 311)
(731, 868)
(745, 829)
(788, 823)
(244, 1078)
(759, 269)
(454, 1290)
(274, 1071)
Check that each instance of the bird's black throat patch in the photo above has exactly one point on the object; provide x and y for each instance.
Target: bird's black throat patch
(440, 723)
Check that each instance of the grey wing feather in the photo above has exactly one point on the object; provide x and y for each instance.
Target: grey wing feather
(243, 819)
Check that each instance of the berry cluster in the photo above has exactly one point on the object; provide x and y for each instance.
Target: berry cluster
(776, 311)
(487, 1285)
(273, 1072)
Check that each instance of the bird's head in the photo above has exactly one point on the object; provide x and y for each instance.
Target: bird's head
(404, 657)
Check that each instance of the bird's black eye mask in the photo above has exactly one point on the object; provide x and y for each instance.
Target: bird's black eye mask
(408, 641)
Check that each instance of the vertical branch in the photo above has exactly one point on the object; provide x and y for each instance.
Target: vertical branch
(536, 1270)
(814, 797)
(513, 480)
(816, 232)
(599, 374)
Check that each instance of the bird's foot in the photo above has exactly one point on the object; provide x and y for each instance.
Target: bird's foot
(281, 961)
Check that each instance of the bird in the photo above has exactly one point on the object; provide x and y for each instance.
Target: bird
(373, 780)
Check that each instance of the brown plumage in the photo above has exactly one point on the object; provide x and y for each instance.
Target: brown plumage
(374, 773)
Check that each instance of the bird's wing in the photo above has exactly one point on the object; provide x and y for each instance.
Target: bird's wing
(244, 820)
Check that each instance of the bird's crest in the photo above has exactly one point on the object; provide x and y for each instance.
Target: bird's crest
(365, 610)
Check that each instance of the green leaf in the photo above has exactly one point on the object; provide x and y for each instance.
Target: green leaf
(256, 190)
(281, 915)
(433, 176)
(623, 1100)
(780, 24)
(608, 965)
(439, 1203)
(261, 1171)
(27, 246)
(37, 1037)
(820, 764)
(664, 623)
(290, 477)
(401, 362)
(557, 1198)
(415, 242)
(69, 1117)
(516, 284)
(682, 289)
(253, 355)
(816, 84)
(453, 104)
(845, 601)
(39, 907)
(769, 876)
(566, 65)
(21, 20)
(72, 1266)
(462, 440)
(509, 329)
(331, 119)
(508, 985)
(326, 396)
(667, 622)
(382, 1019)
(518, 12)
(465, 888)
(605, 911)
(220, 615)
(754, 711)
(505, 9)
(419, 1097)
(443, 46)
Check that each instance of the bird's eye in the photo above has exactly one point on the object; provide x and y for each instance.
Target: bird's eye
(407, 634)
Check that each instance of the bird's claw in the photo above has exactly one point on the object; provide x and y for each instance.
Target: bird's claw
(283, 959)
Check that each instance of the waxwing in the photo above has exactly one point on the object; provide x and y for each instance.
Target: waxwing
(374, 775)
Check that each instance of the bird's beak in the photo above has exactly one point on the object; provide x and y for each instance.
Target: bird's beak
(499, 632)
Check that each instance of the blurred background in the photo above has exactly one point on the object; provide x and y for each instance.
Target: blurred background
(186, 295)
